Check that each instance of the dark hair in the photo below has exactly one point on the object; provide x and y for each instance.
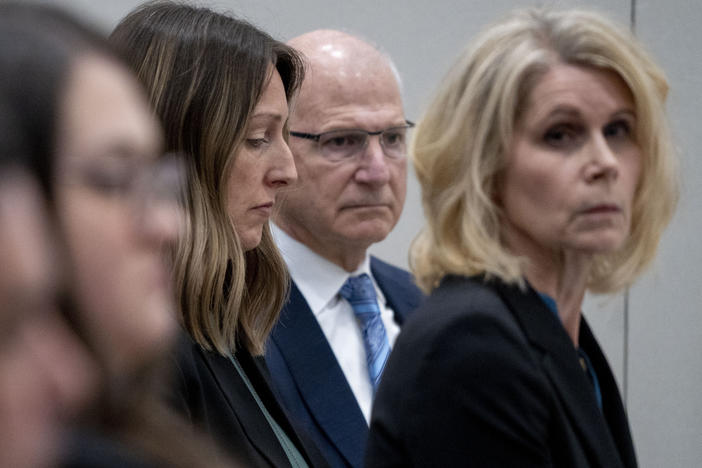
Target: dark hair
(205, 72)
(38, 44)
(13, 143)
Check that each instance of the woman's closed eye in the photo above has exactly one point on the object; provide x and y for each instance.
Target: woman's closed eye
(257, 142)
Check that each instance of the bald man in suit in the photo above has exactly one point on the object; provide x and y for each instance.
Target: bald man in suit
(348, 136)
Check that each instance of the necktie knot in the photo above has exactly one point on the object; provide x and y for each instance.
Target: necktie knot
(360, 293)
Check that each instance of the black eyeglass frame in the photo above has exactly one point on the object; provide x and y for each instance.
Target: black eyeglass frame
(316, 136)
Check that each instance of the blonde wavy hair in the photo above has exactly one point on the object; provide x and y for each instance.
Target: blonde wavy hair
(459, 146)
(204, 72)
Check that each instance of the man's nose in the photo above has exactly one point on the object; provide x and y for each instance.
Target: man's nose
(373, 165)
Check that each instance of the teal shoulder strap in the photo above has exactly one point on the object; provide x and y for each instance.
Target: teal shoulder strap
(294, 456)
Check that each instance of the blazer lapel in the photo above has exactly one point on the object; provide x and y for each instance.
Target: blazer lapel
(256, 370)
(249, 415)
(559, 360)
(321, 381)
(401, 299)
(612, 404)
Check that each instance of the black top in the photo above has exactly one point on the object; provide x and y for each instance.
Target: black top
(484, 374)
(211, 393)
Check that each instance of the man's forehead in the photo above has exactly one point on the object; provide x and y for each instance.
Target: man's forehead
(354, 83)
(329, 41)
(344, 58)
(347, 79)
(355, 98)
(335, 58)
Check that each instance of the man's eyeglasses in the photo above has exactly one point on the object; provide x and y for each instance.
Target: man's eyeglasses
(344, 145)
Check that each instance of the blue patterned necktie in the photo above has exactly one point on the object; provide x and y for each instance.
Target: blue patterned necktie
(360, 293)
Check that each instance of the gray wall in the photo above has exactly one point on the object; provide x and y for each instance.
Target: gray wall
(652, 333)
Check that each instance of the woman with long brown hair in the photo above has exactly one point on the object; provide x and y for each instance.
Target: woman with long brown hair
(221, 88)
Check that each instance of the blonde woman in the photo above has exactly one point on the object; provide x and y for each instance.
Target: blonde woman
(546, 171)
(221, 89)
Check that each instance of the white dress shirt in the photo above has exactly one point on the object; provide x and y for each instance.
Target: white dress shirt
(319, 281)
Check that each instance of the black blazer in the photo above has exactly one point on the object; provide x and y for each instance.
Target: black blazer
(309, 380)
(485, 375)
(210, 392)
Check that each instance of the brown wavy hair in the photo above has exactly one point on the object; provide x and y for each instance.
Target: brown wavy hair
(204, 72)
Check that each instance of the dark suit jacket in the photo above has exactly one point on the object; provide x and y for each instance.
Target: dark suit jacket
(485, 375)
(308, 379)
(210, 392)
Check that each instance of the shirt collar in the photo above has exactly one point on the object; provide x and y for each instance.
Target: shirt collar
(318, 279)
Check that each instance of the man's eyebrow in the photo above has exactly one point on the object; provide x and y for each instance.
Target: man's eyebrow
(268, 115)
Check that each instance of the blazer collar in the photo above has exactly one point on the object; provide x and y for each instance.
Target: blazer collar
(560, 361)
(321, 381)
(249, 414)
(613, 407)
(395, 290)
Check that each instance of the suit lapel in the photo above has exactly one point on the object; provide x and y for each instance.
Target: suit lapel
(611, 401)
(249, 415)
(401, 299)
(321, 381)
(559, 360)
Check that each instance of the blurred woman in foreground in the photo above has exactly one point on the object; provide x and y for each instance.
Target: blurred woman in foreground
(547, 170)
(115, 200)
(46, 375)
